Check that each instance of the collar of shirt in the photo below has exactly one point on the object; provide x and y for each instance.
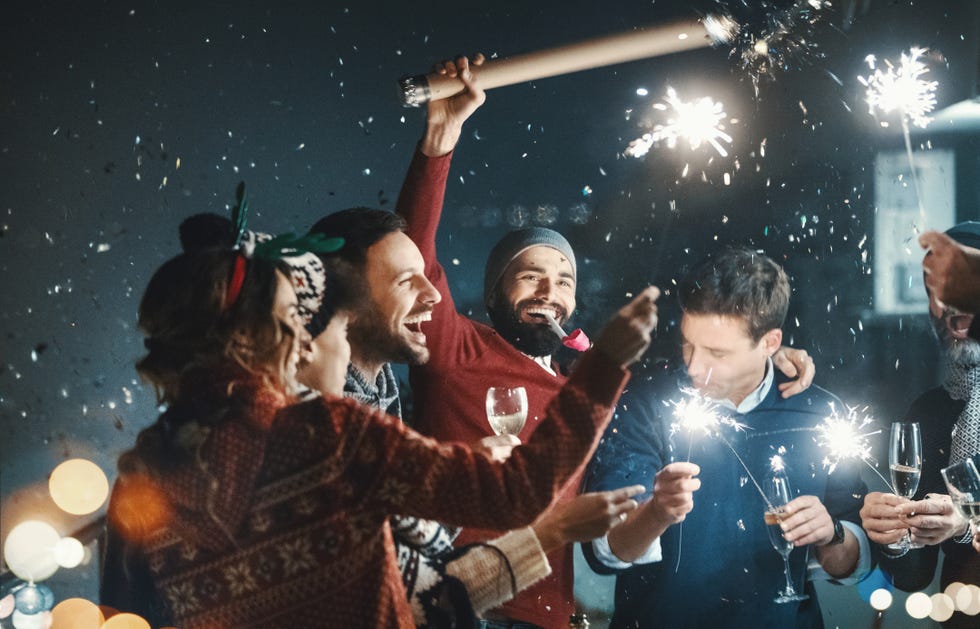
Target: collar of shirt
(754, 398)
(544, 362)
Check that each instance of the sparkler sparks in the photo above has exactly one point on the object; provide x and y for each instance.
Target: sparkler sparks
(785, 40)
(697, 414)
(697, 122)
(901, 89)
(844, 439)
(905, 91)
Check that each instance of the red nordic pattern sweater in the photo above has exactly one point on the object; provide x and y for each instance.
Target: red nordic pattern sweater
(449, 391)
(277, 516)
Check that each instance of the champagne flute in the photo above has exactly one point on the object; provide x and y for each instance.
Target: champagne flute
(506, 409)
(778, 493)
(963, 481)
(905, 463)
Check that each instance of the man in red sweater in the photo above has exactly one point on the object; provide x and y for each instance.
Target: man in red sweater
(530, 273)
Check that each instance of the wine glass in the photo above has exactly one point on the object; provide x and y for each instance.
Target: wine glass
(963, 481)
(905, 463)
(778, 493)
(506, 409)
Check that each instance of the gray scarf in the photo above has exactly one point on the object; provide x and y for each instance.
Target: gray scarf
(382, 394)
(963, 383)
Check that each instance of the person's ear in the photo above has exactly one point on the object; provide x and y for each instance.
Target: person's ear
(772, 340)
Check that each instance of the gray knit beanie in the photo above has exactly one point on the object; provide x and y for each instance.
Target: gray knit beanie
(966, 233)
(514, 244)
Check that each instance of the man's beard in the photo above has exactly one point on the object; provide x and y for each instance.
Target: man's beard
(958, 353)
(371, 339)
(533, 339)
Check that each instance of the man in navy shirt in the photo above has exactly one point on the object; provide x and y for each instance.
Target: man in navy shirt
(697, 553)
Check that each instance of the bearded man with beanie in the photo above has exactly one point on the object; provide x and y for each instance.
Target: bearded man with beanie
(530, 273)
(949, 418)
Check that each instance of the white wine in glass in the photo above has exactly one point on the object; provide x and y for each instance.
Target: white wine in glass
(506, 409)
(963, 482)
(905, 464)
(778, 493)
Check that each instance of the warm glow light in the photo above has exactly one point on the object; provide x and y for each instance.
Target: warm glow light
(126, 621)
(881, 599)
(76, 613)
(972, 605)
(28, 550)
(78, 486)
(942, 607)
(918, 605)
(69, 552)
(32, 621)
(6, 606)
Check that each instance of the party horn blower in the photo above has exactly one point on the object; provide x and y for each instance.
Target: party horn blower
(644, 43)
(577, 340)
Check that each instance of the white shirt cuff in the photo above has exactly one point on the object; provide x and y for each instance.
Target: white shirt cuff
(815, 571)
(600, 547)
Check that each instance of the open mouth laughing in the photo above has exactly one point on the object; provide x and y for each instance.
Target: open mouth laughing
(413, 324)
(535, 313)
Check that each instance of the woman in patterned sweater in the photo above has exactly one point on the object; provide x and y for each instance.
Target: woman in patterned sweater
(251, 510)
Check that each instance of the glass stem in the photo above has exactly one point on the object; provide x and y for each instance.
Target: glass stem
(790, 590)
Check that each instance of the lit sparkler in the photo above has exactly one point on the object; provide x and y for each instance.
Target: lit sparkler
(696, 122)
(902, 90)
(844, 438)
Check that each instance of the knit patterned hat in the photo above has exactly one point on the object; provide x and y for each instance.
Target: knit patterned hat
(308, 277)
(514, 244)
(966, 233)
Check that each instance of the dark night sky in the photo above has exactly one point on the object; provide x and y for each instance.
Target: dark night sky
(99, 101)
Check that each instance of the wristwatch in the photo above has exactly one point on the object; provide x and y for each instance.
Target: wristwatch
(838, 537)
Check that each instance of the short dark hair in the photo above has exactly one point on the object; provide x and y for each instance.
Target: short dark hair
(360, 227)
(738, 282)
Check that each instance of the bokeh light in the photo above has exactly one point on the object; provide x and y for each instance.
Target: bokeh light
(78, 486)
(76, 613)
(881, 599)
(69, 552)
(918, 605)
(126, 621)
(31, 621)
(942, 607)
(6, 606)
(969, 604)
(33, 599)
(28, 550)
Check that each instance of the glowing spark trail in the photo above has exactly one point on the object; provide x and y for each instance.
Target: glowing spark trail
(779, 41)
(696, 122)
(903, 90)
(843, 439)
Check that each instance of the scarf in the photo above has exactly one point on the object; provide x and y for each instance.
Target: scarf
(382, 394)
(963, 383)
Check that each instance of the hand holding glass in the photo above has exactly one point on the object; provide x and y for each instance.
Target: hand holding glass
(905, 463)
(963, 483)
(778, 493)
(506, 409)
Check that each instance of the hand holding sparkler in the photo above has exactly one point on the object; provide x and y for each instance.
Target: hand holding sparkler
(672, 500)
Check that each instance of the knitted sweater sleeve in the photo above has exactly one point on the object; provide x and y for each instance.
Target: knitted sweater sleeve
(494, 572)
(391, 468)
